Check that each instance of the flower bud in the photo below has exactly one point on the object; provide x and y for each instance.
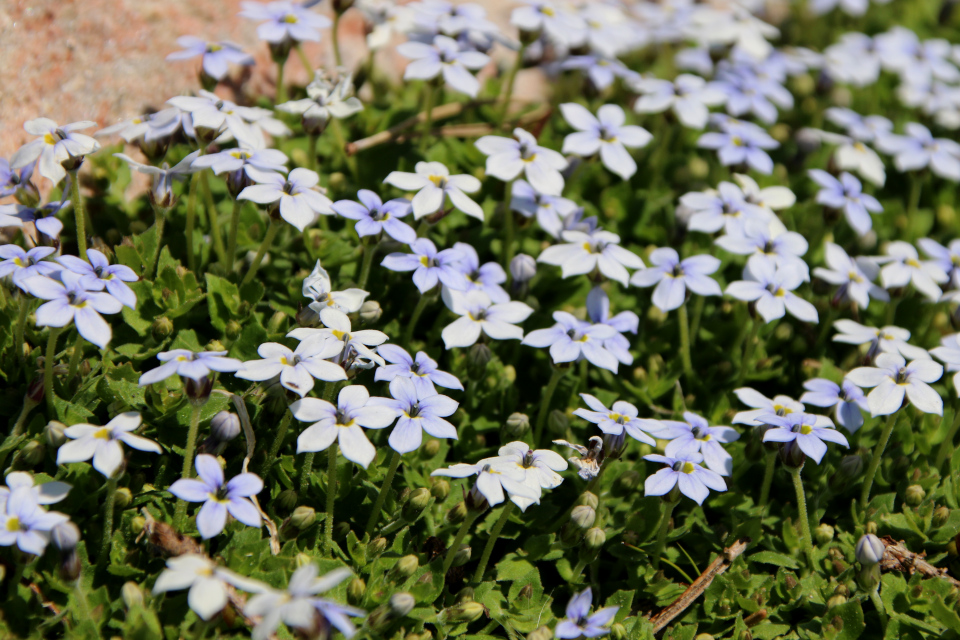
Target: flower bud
(132, 595)
(462, 556)
(419, 500)
(399, 605)
(523, 268)
(341, 530)
(465, 612)
(475, 501)
(303, 517)
(870, 549)
(627, 483)
(123, 498)
(233, 330)
(465, 595)
(69, 565)
(340, 6)
(516, 426)
(198, 391)
(53, 433)
(370, 312)
(529, 37)
(583, 516)
(478, 357)
(31, 454)
(940, 516)
(613, 445)
(457, 513)
(835, 601)
(406, 567)
(375, 547)
(589, 499)
(430, 449)
(594, 539)
(791, 455)
(558, 422)
(137, 524)
(35, 391)
(618, 631)
(162, 328)
(302, 560)
(570, 535)
(823, 534)
(65, 536)
(225, 426)
(540, 633)
(870, 527)
(914, 495)
(439, 489)
(286, 500)
(355, 591)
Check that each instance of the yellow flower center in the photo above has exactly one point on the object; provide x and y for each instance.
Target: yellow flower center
(103, 434)
(13, 523)
(49, 138)
(290, 18)
(438, 180)
(806, 429)
(687, 467)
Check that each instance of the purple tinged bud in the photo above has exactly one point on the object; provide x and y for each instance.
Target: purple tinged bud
(523, 268)
(225, 426)
(65, 536)
(870, 550)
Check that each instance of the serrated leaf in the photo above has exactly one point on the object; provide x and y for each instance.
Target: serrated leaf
(774, 558)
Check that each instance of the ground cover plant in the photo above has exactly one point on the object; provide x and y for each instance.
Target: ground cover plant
(664, 353)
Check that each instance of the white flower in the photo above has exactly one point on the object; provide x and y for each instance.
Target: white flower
(478, 314)
(673, 277)
(854, 277)
(445, 58)
(560, 25)
(54, 146)
(539, 468)
(761, 405)
(206, 580)
(948, 352)
(325, 99)
(494, 476)
(433, 184)
(103, 443)
(919, 149)
(507, 158)
(725, 207)
(326, 302)
(296, 369)
(584, 252)
(906, 268)
(620, 418)
(893, 378)
(572, 339)
(46, 493)
(349, 345)
(688, 95)
(771, 199)
(886, 340)
(852, 155)
(771, 288)
(772, 242)
(300, 200)
(604, 133)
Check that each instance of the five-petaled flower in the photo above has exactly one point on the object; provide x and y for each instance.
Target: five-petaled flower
(70, 301)
(507, 158)
(674, 276)
(893, 378)
(103, 443)
(579, 623)
(434, 184)
(809, 432)
(54, 146)
(219, 496)
(621, 417)
(417, 413)
(605, 134)
(300, 200)
(296, 369)
(696, 435)
(684, 472)
(444, 57)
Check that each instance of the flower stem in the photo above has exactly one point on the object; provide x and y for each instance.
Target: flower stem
(107, 537)
(946, 447)
(262, 251)
(916, 186)
(458, 540)
(28, 405)
(232, 237)
(876, 458)
(186, 473)
(428, 97)
(555, 376)
(684, 321)
(507, 226)
(335, 39)
(305, 61)
(768, 470)
(668, 507)
(79, 214)
(369, 252)
(384, 489)
(191, 222)
(76, 357)
(331, 496)
(305, 471)
(697, 314)
(277, 443)
(159, 219)
(508, 87)
(281, 87)
(804, 518)
(48, 359)
(214, 218)
(878, 604)
(417, 312)
(748, 351)
(577, 570)
(494, 534)
(21, 324)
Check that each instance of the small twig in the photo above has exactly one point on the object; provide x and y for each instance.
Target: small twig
(46, 604)
(718, 566)
(897, 557)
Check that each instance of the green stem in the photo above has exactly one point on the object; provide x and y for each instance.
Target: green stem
(262, 251)
(331, 496)
(916, 186)
(771, 465)
(946, 447)
(748, 351)
(48, 359)
(277, 443)
(697, 314)
(335, 39)
(685, 343)
(555, 376)
(75, 357)
(876, 459)
(494, 535)
(428, 98)
(214, 218)
(234, 229)
(159, 219)
(351, 161)
(577, 570)
(668, 507)
(369, 252)
(191, 221)
(305, 61)
(425, 300)
(281, 87)
(878, 604)
(508, 88)
(21, 324)
(384, 490)
(892, 310)
(107, 537)
(79, 214)
(507, 226)
(305, 472)
(187, 471)
(458, 540)
(804, 518)
(28, 406)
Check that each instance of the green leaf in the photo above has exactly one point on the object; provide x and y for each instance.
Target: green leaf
(223, 300)
(121, 382)
(850, 617)
(774, 558)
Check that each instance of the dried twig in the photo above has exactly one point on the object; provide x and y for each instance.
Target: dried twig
(897, 557)
(718, 566)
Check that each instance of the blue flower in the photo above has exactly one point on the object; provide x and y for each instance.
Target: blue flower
(24, 523)
(696, 436)
(579, 622)
(486, 278)
(808, 432)
(598, 309)
(44, 218)
(374, 216)
(70, 301)
(216, 55)
(741, 142)
(219, 497)
(285, 21)
(422, 370)
(846, 195)
(99, 274)
(429, 266)
(187, 364)
(683, 471)
(24, 265)
(53, 146)
(416, 415)
(849, 400)
(673, 277)
(572, 339)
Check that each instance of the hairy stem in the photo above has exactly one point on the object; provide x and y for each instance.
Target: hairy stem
(277, 443)
(876, 458)
(187, 471)
(878, 604)
(159, 219)
(28, 406)
(804, 518)
(668, 507)
(24, 301)
(384, 490)
(458, 540)
(107, 537)
(75, 357)
(555, 376)
(769, 467)
(331, 496)
(48, 363)
(494, 535)
(79, 214)
(214, 218)
(684, 322)
(232, 237)
(261, 252)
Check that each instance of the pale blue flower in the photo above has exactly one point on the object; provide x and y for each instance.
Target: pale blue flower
(374, 216)
(479, 315)
(605, 134)
(296, 370)
(429, 266)
(417, 414)
(683, 471)
(422, 370)
(25, 523)
(507, 158)
(695, 435)
(741, 143)
(620, 418)
(44, 218)
(848, 401)
(846, 195)
(674, 276)
(217, 56)
(582, 253)
(571, 340)
(444, 57)
(285, 21)
(219, 497)
(809, 432)
(99, 274)
(54, 145)
(300, 200)
(103, 443)
(22, 265)
(853, 276)
(579, 623)
(893, 379)
(70, 301)
(189, 364)
(598, 310)
(434, 184)
(771, 288)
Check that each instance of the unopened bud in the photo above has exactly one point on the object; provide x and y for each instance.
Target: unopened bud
(851, 466)
(462, 556)
(523, 268)
(478, 357)
(53, 433)
(123, 498)
(406, 567)
(70, 565)
(558, 422)
(457, 513)
(791, 455)
(233, 330)
(529, 37)
(589, 499)
(583, 516)
(399, 605)
(137, 524)
(618, 631)
(375, 547)
(162, 328)
(303, 517)
(370, 312)
(35, 391)
(613, 445)
(540, 633)
(476, 502)
(465, 612)
(430, 449)
(355, 591)
(823, 534)
(439, 488)
(594, 539)
(198, 391)
(836, 601)
(341, 530)
(31, 454)
(914, 495)
(570, 535)
(65, 536)
(419, 500)
(286, 500)
(225, 426)
(870, 527)
(132, 595)
(940, 516)
(516, 426)
(870, 549)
